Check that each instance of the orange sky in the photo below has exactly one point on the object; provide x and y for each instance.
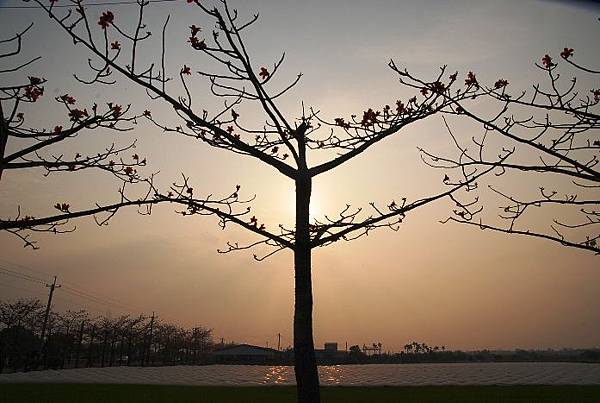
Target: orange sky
(441, 284)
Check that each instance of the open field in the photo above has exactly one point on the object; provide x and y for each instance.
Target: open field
(92, 393)
(524, 373)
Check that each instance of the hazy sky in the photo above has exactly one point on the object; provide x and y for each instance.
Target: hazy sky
(442, 284)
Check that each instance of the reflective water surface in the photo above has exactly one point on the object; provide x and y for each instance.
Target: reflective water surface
(392, 374)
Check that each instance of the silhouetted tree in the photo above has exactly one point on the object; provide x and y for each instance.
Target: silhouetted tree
(549, 135)
(283, 142)
(19, 343)
(25, 147)
(76, 339)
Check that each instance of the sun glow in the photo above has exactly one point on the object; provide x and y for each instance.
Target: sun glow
(316, 210)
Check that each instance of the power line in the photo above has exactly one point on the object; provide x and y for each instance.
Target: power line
(13, 287)
(95, 4)
(79, 292)
(46, 275)
(96, 299)
(71, 290)
(99, 297)
(21, 276)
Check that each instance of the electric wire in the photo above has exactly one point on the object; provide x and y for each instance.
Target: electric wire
(71, 290)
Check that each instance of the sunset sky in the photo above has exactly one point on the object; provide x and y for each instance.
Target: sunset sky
(441, 284)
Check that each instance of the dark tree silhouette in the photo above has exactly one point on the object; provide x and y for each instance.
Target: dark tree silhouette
(25, 147)
(549, 132)
(76, 338)
(282, 142)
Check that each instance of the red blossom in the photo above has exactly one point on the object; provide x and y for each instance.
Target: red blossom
(35, 80)
(64, 207)
(129, 170)
(275, 149)
(596, 94)
(68, 99)
(566, 53)
(254, 221)
(369, 118)
(501, 83)
(195, 30)
(115, 45)
(33, 93)
(471, 80)
(230, 129)
(117, 110)
(196, 43)
(438, 87)
(147, 113)
(77, 114)
(453, 76)
(106, 19)
(264, 73)
(342, 123)
(135, 157)
(400, 107)
(424, 91)
(547, 61)
(186, 70)
(57, 129)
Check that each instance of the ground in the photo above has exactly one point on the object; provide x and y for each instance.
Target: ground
(92, 393)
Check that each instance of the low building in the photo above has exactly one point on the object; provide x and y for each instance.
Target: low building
(246, 354)
(330, 353)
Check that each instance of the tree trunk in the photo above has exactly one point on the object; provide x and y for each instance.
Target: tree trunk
(305, 364)
(91, 346)
(3, 140)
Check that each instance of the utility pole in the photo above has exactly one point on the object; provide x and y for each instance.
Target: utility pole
(52, 287)
(278, 341)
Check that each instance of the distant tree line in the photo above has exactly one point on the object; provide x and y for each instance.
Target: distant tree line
(75, 339)
(416, 352)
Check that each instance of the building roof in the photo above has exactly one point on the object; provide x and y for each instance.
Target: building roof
(245, 349)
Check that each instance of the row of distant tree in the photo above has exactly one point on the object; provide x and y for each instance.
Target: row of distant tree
(75, 339)
(416, 352)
